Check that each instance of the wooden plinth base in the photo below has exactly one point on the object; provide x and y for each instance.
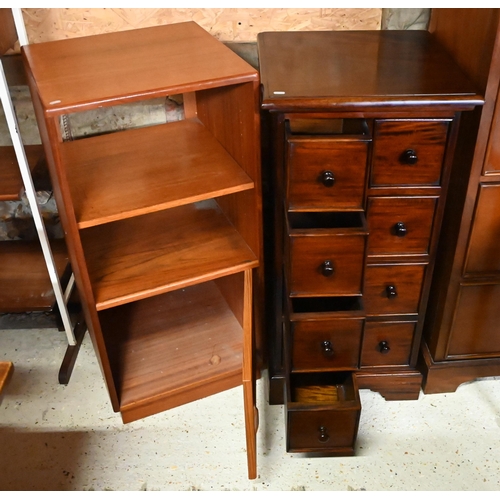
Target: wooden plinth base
(446, 376)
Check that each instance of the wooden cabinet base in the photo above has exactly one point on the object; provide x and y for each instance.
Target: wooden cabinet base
(447, 376)
(393, 384)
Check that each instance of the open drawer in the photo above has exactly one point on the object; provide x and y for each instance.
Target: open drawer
(322, 413)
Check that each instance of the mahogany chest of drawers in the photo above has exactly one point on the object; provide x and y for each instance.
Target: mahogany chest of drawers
(361, 130)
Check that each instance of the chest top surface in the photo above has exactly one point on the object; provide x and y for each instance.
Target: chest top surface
(359, 68)
(85, 72)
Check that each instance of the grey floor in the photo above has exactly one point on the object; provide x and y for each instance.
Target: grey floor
(57, 437)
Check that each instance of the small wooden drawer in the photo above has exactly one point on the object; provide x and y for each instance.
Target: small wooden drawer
(323, 411)
(400, 225)
(408, 152)
(326, 173)
(387, 343)
(324, 264)
(326, 345)
(393, 289)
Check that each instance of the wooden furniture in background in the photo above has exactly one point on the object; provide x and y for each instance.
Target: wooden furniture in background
(462, 333)
(364, 127)
(6, 370)
(32, 273)
(163, 223)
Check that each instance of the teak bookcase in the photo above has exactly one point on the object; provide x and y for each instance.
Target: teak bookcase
(163, 223)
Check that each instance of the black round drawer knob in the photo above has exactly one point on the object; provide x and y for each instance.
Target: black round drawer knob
(409, 157)
(391, 291)
(323, 436)
(327, 347)
(383, 347)
(327, 178)
(400, 229)
(327, 268)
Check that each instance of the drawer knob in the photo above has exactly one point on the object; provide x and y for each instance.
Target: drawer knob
(327, 347)
(400, 229)
(409, 157)
(327, 268)
(383, 347)
(391, 291)
(327, 178)
(323, 434)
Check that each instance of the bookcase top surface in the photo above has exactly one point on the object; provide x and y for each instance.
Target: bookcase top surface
(87, 72)
(359, 67)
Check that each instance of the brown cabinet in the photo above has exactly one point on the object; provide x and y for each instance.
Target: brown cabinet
(357, 167)
(461, 332)
(163, 222)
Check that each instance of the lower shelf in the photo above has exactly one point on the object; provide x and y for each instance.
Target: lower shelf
(173, 348)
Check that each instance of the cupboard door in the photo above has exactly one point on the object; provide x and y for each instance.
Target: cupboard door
(475, 330)
(484, 245)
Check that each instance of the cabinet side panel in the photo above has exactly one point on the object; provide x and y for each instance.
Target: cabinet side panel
(50, 139)
(231, 113)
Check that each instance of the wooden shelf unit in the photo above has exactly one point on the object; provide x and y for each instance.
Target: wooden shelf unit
(163, 223)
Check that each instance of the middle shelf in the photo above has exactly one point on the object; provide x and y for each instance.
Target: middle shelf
(162, 251)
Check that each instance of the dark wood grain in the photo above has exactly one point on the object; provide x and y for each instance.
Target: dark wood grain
(308, 253)
(309, 157)
(417, 215)
(407, 280)
(309, 352)
(355, 69)
(398, 339)
(392, 138)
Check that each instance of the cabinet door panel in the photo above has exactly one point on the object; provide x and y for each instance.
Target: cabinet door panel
(484, 246)
(476, 326)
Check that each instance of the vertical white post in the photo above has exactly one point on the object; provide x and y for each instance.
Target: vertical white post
(29, 187)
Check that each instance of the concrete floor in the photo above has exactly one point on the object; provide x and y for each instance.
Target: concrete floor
(56, 437)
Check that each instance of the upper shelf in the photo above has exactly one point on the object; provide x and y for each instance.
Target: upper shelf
(86, 72)
(133, 172)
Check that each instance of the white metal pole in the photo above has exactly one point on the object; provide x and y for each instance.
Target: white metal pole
(31, 194)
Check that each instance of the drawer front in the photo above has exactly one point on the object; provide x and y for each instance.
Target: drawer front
(323, 411)
(326, 265)
(326, 345)
(400, 226)
(325, 174)
(393, 289)
(408, 152)
(322, 430)
(387, 343)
